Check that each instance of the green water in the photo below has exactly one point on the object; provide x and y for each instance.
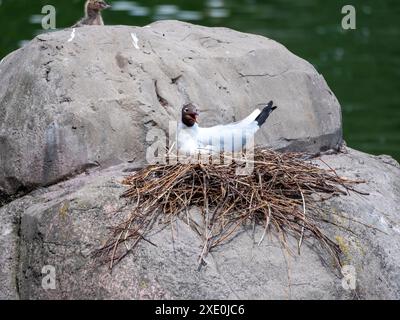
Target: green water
(361, 66)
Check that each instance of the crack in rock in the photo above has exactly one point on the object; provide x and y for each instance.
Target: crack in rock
(161, 99)
(242, 75)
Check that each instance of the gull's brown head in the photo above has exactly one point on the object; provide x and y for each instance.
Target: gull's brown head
(189, 114)
(97, 5)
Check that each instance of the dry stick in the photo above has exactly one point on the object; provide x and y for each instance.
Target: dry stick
(222, 239)
(126, 236)
(266, 225)
(304, 218)
(341, 181)
(362, 223)
(130, 222)
(115, 249)
(188, 201)
(206, 236)
(284, 177)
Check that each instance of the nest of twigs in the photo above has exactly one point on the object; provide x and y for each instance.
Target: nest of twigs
(280, 193)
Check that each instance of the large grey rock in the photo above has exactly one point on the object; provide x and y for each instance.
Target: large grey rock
(63, 224)
(69, 105)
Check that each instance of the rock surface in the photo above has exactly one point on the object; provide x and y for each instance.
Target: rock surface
(68, 104)
(62, 225)
(72, 102)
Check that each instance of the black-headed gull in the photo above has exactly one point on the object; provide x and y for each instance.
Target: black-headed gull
(231, 137)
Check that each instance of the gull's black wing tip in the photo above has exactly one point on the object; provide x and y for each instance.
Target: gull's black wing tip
(263, 116)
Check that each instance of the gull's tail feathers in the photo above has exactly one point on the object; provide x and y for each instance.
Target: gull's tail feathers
(263, 116)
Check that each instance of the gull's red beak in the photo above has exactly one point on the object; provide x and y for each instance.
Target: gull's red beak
(194, 116)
